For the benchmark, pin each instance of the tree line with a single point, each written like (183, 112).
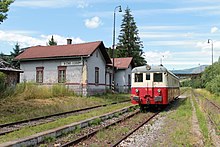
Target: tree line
(210, 79)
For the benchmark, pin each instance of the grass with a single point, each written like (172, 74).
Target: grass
(207, 94)
(180, 123)
(27, 131)
(210, 110)
(29, 101)
(202, 123)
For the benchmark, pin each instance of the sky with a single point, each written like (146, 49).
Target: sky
(174, 32)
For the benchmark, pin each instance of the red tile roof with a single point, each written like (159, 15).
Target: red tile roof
(122, 63)
(70, 50)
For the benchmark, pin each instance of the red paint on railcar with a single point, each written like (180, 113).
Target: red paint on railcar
(153, 96)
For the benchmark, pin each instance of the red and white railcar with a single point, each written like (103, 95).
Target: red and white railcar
(153, 85)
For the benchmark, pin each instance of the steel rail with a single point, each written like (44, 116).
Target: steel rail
(206, 111)
(53, 115)
(132, 131)
(216, 106)
(210, 101)
(84, 137)
(145, 122)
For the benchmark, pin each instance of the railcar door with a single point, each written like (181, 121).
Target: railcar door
(149, 85)
(158, 87)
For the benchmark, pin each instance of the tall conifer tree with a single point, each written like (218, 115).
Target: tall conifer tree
(129, 42)
(16, 50)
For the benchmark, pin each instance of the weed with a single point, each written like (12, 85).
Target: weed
(43, 145)
(116, 114)
(95, 122)
(202, 123)
(49, 139)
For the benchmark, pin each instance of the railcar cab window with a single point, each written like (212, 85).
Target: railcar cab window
(138, 77)
(158, 77)
(147, 76)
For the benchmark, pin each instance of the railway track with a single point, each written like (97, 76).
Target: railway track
(134, 130)
(208, 100)
(14, 126)
(196, 95)
(173, 104)
(87, 136)
(211, 102)
(90, 134)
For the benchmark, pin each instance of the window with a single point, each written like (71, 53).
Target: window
(39, 74)
(61, 74)
(158, 77)
(96, 75)
(138, 77)
(129, 80)
(147, 76)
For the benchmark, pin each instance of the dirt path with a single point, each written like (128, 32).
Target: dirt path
(195, 128)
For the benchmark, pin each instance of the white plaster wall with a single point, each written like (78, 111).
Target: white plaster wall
(73, 73)
(121, 76)
(99, 62)
(121, 79)
(108, 72)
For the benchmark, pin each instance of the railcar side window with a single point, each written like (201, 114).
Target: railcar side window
(138, 77)
(158, 77)
(147, 76)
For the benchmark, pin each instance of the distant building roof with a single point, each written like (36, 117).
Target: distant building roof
(122, 63)
(5, 66)
(61, 51)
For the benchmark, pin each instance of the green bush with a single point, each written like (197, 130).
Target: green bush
(214, 85)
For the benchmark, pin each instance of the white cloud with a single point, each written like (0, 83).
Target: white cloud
(93, 22)
(166, 27)
(25, 40)
(51, 3)
(82, 4)
(179, 60)
(172, 43)
(214, 29)
(207, 9)
(155, 57)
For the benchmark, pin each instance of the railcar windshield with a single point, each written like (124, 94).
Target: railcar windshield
(138, 77)
(147, 76)
(158, 77)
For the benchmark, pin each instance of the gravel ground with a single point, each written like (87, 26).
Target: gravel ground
(146, 135)
(152, 134)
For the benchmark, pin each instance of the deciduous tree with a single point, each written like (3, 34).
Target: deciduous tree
(4, 7)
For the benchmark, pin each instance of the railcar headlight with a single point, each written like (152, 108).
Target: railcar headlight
(136, 90)
(158, 90)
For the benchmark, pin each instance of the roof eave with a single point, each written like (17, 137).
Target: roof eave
(52, 58)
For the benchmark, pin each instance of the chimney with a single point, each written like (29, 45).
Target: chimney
(69, 41)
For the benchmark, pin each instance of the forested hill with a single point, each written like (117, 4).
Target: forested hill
(194, 70)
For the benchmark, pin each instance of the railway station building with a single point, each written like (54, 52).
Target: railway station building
(83, 68)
